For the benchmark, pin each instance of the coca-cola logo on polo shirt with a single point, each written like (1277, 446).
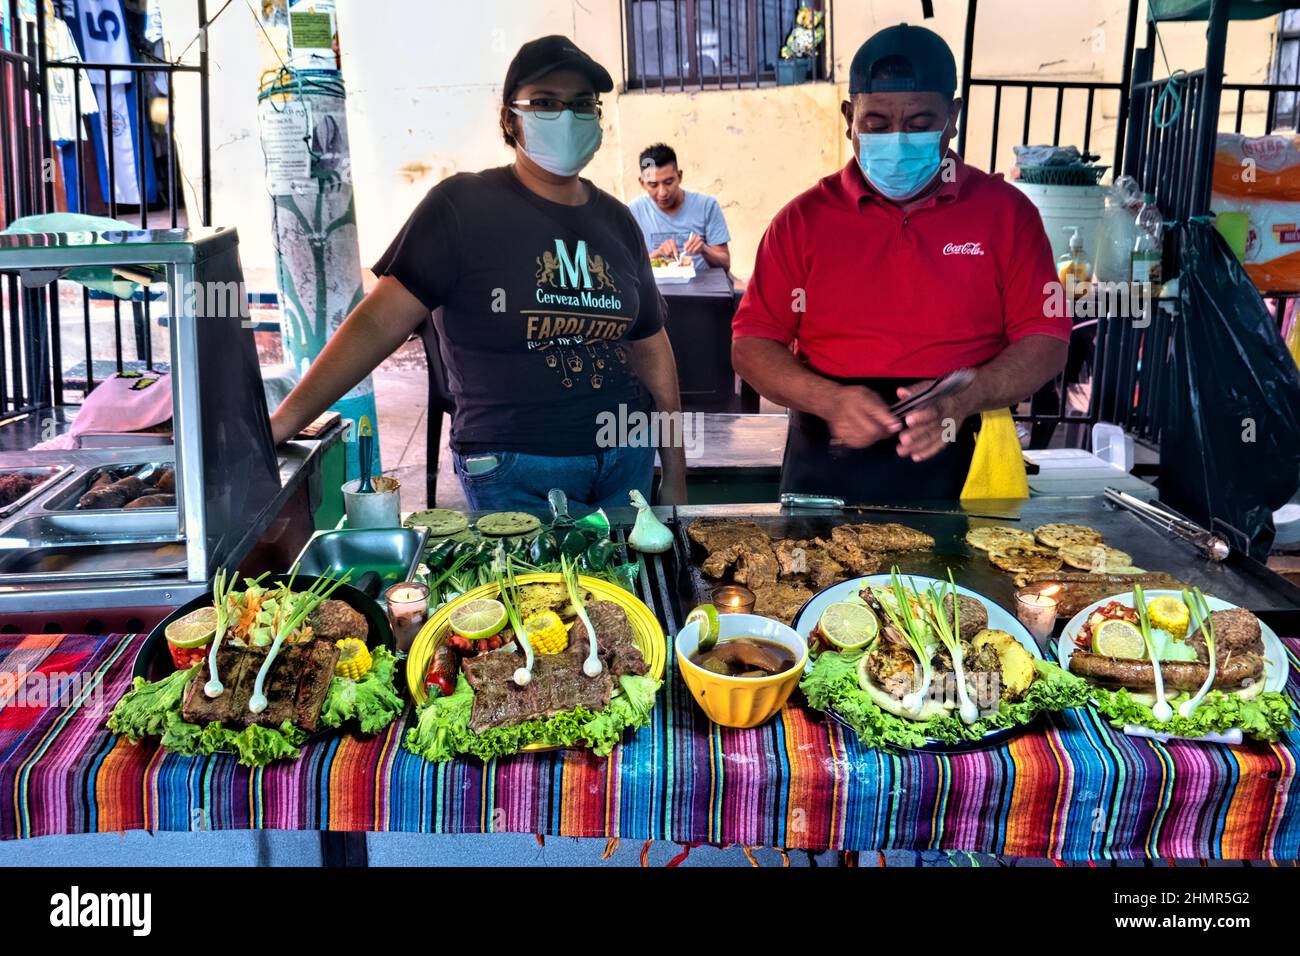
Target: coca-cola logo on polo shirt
(963, 249)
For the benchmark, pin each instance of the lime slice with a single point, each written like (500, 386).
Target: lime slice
(194, 629)
(707, 615)
(849, 626)
(478, 619)
(1119, 639)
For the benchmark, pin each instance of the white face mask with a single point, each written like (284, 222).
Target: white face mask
(562, 145)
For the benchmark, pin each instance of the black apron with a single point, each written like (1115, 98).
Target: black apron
(876, 474)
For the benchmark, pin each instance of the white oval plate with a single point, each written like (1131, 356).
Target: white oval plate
(1275, 663)
(1000, 619)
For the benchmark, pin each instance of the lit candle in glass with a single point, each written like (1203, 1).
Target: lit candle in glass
(733, 599)
(1036, 610)
(408, 609)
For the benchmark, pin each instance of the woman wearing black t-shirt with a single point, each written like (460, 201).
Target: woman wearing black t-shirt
(551, 325)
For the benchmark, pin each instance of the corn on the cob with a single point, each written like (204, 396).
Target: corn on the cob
(354, 658)
(1169, 614)
(546, 632)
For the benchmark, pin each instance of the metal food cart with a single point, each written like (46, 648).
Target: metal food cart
(231, 483)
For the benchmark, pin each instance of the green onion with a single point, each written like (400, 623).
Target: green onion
(1161, 710)
(950, 634)
(917, 634)
(1200, 610)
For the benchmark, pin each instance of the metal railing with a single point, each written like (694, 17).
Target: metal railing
(28, 347)
(681, 45)
(1057, 92)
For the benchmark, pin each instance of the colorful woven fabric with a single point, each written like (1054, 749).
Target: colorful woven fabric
(1069, 788)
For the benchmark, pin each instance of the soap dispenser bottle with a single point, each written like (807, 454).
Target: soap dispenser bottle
(1073, 268)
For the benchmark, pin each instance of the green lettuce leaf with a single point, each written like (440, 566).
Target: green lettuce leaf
(147, 709)
(442, 729)
(258, 746)
(373, 700)
(833, 685)
(1266, 717)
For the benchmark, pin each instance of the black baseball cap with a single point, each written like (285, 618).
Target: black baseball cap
(545, 55)
(933, 68)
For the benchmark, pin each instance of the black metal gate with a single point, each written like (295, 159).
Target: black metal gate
(37, 338)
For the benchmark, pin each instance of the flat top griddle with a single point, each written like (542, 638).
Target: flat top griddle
(1239, 580)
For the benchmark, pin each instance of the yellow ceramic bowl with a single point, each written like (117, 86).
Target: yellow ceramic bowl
(741, 701)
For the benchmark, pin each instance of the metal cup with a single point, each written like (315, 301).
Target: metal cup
(381, 508)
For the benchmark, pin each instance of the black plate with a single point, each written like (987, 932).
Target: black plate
(154, 662)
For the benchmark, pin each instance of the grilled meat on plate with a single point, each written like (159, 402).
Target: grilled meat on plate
(892, 668)
(1236, 632)
(334, 620)
(558, 685)
(973, 616)
(614, 643)
(295, 688)
(1177, 675)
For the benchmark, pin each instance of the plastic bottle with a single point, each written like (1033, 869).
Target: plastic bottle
(1073, 268)
(1114, 249)
(1148, 247)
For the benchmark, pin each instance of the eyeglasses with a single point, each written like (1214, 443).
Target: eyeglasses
(547, 108)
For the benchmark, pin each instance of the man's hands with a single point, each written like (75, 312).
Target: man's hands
(930, 428)
(859, 417)
(669, 249)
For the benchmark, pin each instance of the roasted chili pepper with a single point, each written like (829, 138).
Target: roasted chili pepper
(600, 554)
(544, 550)
(573, 544)
(441, 554)
(442, 671)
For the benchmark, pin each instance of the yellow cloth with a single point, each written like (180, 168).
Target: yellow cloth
(997, 469)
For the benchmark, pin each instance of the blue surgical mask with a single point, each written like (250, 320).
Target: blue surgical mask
(563, 145)
(899, 165)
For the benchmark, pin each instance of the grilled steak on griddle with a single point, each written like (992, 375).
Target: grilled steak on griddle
(725, 540)
(295, 687)
(889, 536)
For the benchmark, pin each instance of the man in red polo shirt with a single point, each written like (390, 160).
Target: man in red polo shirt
(900, 268)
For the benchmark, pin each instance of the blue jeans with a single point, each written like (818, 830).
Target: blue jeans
(515, 481)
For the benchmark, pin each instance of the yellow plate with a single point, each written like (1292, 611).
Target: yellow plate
(647, 633)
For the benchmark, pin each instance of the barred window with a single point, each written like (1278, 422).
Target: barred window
(717, 44)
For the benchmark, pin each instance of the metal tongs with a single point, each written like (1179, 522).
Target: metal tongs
(1211, 545)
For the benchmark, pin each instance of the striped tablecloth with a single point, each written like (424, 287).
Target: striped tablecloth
(1070, 789)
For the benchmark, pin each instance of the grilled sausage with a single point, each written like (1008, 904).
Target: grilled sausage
(1178, 675)
(113, 495)
(152, 501)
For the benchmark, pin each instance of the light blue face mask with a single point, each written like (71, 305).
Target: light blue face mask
(899, 165)
(563, 145)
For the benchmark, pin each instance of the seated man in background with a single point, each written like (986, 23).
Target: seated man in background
(676, 222)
